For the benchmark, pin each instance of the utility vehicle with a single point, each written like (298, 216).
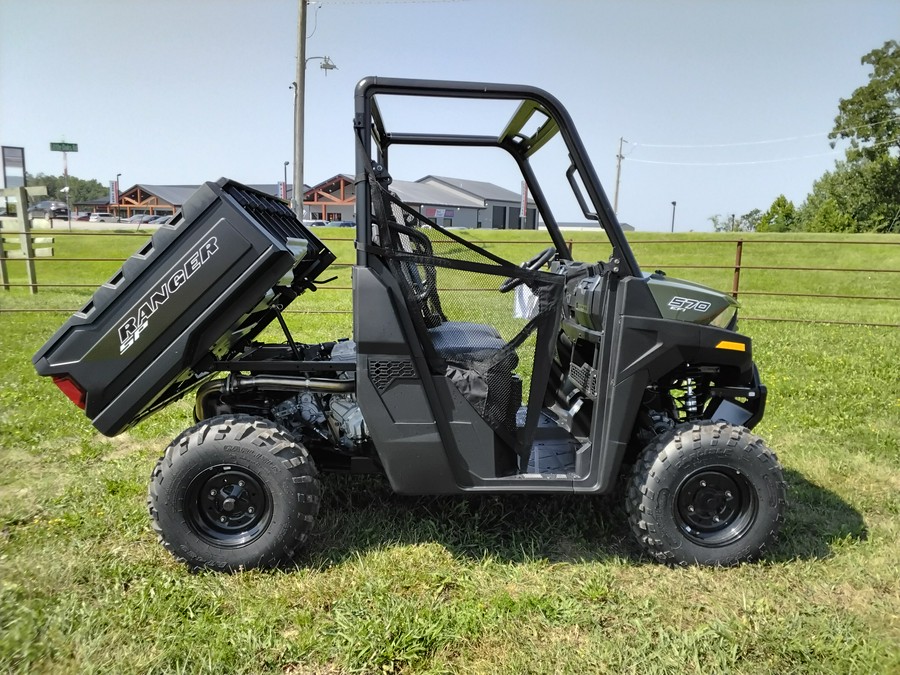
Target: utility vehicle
(466, 373)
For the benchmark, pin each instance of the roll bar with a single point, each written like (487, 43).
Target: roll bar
(371, 130)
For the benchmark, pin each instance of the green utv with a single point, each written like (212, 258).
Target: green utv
(466, 373)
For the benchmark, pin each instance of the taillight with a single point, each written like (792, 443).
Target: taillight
(71, 389)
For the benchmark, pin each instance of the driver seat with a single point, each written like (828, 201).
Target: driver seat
(476, 358)
(452, 340)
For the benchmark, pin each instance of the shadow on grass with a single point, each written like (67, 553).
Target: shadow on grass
(362, 513)
(817, 520)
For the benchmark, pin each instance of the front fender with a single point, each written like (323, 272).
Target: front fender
(645, 350)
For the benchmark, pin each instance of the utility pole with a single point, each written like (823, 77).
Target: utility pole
(299, 96)
(673, 216)
(619, 159)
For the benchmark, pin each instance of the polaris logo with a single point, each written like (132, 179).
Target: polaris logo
(131, 329)
(679, 304)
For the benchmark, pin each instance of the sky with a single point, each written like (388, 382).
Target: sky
(723, 105)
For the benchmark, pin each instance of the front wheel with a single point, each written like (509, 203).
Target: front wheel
(707, 494)
(233, 492)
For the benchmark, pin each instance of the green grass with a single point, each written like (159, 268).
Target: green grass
(487, 585)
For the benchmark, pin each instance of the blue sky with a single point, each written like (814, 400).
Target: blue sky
(177, 92)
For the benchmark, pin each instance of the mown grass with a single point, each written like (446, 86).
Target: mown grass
(493, 584)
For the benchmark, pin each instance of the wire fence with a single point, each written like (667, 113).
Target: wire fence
(29, 252)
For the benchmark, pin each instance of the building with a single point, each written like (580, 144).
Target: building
(493, 207)
(157, 200)
(333, 199)
(450, 202)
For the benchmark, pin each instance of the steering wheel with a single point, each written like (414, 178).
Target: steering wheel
(535, 263)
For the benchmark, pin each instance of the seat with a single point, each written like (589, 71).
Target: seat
(475, 356)
(451, 339)
(462, 339)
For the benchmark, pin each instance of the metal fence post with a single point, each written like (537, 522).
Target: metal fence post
(736, 281)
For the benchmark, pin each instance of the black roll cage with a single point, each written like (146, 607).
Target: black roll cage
(370, 127)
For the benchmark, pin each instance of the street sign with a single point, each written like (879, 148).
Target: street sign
(64, 147)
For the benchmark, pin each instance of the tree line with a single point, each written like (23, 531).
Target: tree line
(80, 189)
(862, 192)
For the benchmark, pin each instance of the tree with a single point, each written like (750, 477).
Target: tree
(870, 118)
(80, 190)
(781, 216)
(829, 217)
(745, 223)
(860, 196)
(862, 193)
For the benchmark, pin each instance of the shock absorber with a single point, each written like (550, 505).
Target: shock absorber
(690, 399)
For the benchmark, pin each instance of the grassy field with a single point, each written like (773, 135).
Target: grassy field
(487, 585)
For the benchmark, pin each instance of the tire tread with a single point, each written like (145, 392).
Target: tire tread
(673, 449)
(269, 437)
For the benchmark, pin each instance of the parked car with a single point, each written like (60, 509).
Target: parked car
(341, 223)
(49, 209)
(140, 218)
(315, 223)
(102, 217)
(159, 220)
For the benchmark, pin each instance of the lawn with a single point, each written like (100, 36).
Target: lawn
(485, 585)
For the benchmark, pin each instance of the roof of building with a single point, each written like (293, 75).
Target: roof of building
(173, 194)
(177, 195)
(433, 194)
(334, 179)
(475, 188)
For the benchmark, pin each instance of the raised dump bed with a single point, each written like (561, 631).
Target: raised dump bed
(198, 291)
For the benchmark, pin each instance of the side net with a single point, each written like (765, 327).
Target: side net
(484, 322)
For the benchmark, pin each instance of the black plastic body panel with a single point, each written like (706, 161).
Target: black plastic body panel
(428, 437)
(640, 347)
(197, 292)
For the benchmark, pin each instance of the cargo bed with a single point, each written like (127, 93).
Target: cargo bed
(197, 292)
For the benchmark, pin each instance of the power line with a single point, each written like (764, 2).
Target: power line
(769, 141)
(315, 20)
(751, 162)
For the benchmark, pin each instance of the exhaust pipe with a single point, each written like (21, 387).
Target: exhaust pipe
(236, 383)
(287, 383)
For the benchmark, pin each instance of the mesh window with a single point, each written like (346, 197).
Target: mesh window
(486, 341)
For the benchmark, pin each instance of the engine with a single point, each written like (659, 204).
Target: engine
(333, 417)
(319, 411)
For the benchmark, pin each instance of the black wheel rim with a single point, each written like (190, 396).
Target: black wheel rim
(228, 506)
(715, 506)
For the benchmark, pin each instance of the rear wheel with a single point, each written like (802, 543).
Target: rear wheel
(234, 492)
(708, 494)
